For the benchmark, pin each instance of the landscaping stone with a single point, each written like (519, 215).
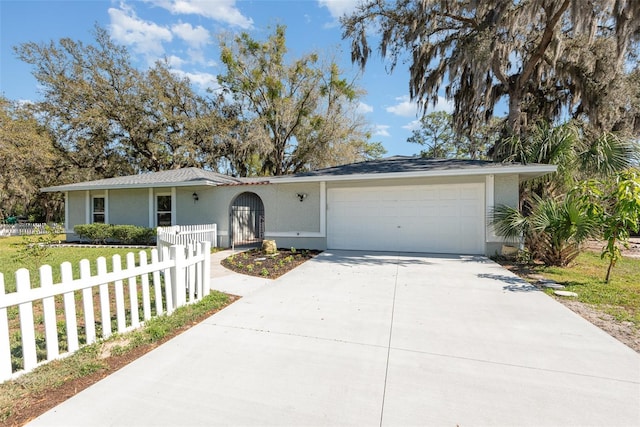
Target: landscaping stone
(565, 293)
(269, 246)
(550, 284)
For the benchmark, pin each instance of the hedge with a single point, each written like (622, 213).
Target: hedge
(127, 234)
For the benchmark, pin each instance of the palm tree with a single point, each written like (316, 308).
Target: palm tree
(553, 231)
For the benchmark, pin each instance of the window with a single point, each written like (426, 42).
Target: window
(163, 209)
(98, 212)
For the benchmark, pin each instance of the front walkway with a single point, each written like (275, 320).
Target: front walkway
(350, 338)
(230, 282)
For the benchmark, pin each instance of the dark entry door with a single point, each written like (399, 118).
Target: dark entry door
(247, 220)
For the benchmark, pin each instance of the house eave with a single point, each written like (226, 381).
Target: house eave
(524, 171)
(72, 187)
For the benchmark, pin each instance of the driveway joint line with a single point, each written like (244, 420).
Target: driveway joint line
(386, 368)
(295, 335)
(557, 371)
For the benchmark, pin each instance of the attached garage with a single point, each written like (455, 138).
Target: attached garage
(448, 218)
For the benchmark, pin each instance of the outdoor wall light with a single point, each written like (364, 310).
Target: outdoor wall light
(195, 197)
(301, 196)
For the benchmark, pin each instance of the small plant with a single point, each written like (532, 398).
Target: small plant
(258, 263)
(264, 272)
(293, 250)
(249, 267)
(35, 249)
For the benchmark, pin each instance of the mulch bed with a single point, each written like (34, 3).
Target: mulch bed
(256, 263)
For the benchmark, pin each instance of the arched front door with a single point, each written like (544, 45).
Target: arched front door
(247, 219)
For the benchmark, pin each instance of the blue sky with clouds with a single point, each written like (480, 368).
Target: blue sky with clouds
(186, 32)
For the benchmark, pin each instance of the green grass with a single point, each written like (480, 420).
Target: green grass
(19, 393)
(585, 276)
(10, 262)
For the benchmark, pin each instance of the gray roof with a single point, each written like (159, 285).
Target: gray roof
(390, 167)
(176, 177)
(401, 164)
(418, 166)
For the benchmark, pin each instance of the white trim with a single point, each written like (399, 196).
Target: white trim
(525, 170)
(87, 207)
(490, 234)
(323, 209)
(174, 204)
(106, 207)
(152, 221)
(294, 234)
(73, 187)
(66, 211)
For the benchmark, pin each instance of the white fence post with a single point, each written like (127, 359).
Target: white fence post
(5, 344)
(27, 327)
(144, 283)
(133, 291)
(206, 269)
(178, 288)
(49, 314)
(120, 314)
(69, 303)
(87, 304)
(157, 284)
(105, 309)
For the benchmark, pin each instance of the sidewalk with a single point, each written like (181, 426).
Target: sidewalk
(230, 282)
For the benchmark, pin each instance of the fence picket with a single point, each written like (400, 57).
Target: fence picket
(5, 344)
(157, 283)
(69, 303)
(144, 283)
(120, 313)
(185, 275)
(168, 282)
(87, 303)
(105, 309)
(206, 269)
(191, 274)
(49, 314)
(178, 282)
(133, 291)
(27, 326)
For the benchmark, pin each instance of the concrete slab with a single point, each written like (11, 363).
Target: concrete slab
(353, 338)
(229, 281)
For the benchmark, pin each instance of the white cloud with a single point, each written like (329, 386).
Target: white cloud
(219, 10)
(145, 37)
(404, 108)
(412, 125)
(337, 8)
(203, 80)
(364, 108)
(407, 108)
(381, 130)
(196, 37)
(175, 61)
(441, 105)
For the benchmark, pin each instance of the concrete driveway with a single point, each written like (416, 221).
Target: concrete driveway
(377, 339)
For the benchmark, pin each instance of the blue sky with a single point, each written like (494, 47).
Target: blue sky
(186, 32)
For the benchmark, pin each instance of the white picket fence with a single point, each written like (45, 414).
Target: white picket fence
(186, 235)
(27, 229)
(181, 278)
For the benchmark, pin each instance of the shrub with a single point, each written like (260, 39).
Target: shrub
(127, 234)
